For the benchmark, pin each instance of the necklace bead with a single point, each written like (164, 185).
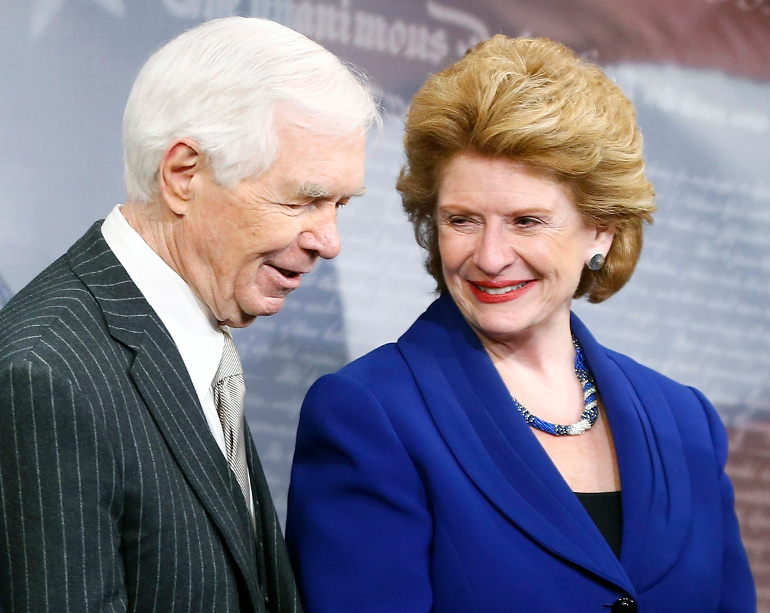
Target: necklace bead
(590, 399)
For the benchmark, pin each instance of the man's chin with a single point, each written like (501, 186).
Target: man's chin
(240, 322)
(268, 305)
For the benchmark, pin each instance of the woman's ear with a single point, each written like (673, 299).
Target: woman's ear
(599, 247)
(181, 162)
(603, 239)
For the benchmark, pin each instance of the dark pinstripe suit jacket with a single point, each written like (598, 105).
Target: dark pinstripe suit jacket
(114, 494)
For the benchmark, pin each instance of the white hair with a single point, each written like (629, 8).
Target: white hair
(219, 85)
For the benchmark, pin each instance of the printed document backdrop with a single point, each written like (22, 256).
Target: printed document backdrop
(697, 309)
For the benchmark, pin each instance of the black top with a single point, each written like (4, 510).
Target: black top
(606, 509)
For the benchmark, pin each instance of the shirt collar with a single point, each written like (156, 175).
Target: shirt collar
(190, 322)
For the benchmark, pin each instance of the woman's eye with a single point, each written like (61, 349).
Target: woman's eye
(459, 221)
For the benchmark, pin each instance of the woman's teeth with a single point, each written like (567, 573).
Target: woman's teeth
(496, 291)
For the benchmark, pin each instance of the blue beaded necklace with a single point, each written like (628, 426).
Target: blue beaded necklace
(590, 414)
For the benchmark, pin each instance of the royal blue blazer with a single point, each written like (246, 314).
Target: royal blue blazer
(418, 487)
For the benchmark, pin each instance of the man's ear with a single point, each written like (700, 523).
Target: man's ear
(180, 164)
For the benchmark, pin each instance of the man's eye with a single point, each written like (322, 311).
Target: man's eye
(526, 222)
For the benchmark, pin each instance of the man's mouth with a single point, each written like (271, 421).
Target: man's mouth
(287, 273)
(287, 278)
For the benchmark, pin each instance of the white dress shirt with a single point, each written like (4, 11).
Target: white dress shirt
(192, 325)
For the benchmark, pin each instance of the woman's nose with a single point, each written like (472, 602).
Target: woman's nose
(493, 253)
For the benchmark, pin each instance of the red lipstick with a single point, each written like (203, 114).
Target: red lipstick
(491, 292)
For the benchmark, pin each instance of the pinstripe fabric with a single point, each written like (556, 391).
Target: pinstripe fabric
(114, 495)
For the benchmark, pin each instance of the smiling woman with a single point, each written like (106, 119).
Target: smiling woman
(497, 457)
(513, 238)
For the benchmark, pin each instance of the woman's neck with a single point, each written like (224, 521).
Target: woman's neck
(544, 349)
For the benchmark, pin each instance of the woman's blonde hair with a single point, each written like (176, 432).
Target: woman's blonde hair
(535, 102)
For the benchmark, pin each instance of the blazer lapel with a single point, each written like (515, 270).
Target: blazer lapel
(476, 417)
(656, 489)
(165, 386)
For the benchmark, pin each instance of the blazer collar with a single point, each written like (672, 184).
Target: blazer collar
(475, 415)
(161, 378)
(657, 492)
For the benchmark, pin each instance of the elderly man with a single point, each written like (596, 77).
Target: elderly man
(128, 478)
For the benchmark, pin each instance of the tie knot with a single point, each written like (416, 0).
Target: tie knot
(230, 364)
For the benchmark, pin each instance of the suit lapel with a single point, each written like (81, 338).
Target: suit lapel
(262, 503)
(275, 572)
(165, 386)
(476, 417)
(657, 494)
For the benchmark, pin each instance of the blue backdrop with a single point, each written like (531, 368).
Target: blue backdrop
(698, 71)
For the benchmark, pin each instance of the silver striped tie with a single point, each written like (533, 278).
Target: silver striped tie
(229, 397)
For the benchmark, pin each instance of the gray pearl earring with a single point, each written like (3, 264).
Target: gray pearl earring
(596, 262)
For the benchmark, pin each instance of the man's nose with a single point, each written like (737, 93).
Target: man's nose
(321, 235)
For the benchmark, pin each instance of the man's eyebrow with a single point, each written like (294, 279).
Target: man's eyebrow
(318, 192)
